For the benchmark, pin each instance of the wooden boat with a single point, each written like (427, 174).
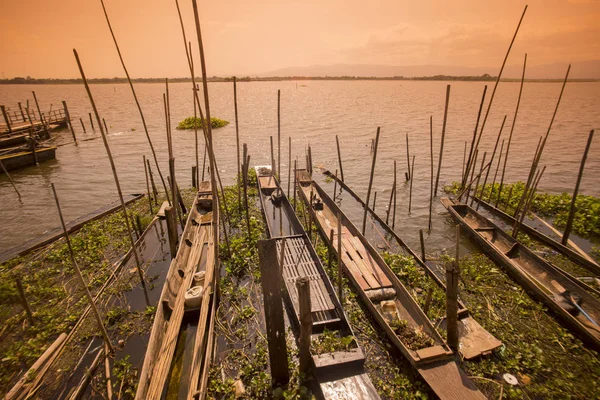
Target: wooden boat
(475, 341)
(23, 157)
(192, 274)
(337, 370)
(386, 298)
(566, 296)
(571, 254)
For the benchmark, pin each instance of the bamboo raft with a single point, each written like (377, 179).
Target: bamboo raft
(581, 259)
(388, 301)
(340, 373)
(192, 271)
(566, 296)
(475, 341)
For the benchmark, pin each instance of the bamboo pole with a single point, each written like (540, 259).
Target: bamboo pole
(136, 101)
(464, 160)
(204, 163)
(10, 179)
(374, 201)
(78, 271)
(171, 182)
(339, 257)
(422, 240)
(364, 224)
(310, 160)
(273, 166)
(487, 174)
(469, 166)
(532, 170)
(395, 196)
(330, 250)
(289, 165)
(148, 186)
(37, 105)
(24, 301)
(22, 113)
(305, 314)
(295, 183)
(337, 141)
(114, 170)
(245, 185)
(154, 190)
(565, 238)
(82, 125)
(237, 141)
(530, 199)
(437, 179)
(431, 176)
(335, 185)
(6, 119)
(412, 174)
(389, 208)
(496, 173)
(408, 176)
(67, 115)
(107, 374)
(279, 135)
(478, 177)
(91, 121)
(512, 128)
(466, 189)
(452, 276)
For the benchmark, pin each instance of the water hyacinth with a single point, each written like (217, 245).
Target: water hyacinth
(188, 123)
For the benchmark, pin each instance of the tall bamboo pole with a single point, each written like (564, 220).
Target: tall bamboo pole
(512, 128)
(289, 165)
(364, 224)
(114, 170)
(136, 102)
(408, 176)
(431, 179)
(496, 173)
(279, 135)
(87, 293)
(437, 179)
(10, 179)
(478, 177)
(412, 174)
(148, 186)
(395, 196)
(487, 174)
(337, 142)
(565, 238)
(237, 140)
(389, 208)
(42, 120)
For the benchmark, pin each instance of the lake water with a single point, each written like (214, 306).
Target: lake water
(311, 112)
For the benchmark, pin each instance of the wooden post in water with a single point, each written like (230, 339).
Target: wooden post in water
(237, 141)
(91, 121)
(408, 176)
(422, 244)
(114, 171)
(273, 171)
(10, 179)
(37, 105)
(6, 119)
(335, 185)
(24, 301)
(303, 287)
(467, 189)
(194, 174)
(412, 174)
(279, 136)
(464, 160)
(337, 141)
(68, 116)
(565, 238)
(245, 185)
(172, 229)
(271, 283)
(431, 178)
(339, 258)
(437, 179)
(395, 196)
(148, 186)
(289, 165)
(364, 225)
(511, 131)
(310, 160)
(487, 174)
(374, 201)
(154, 190)
(32, 147)
(528, 202)
(22, 113)
(452, 276)
(389, 208)
(295, 183)
(496, 173)
(82, 125)
(478, 178)
(78, 273)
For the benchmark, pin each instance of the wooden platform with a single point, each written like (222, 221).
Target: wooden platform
(25, 158)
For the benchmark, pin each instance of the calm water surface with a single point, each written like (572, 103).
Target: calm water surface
(311, 112)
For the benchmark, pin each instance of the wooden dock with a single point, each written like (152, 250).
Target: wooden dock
(23, 158)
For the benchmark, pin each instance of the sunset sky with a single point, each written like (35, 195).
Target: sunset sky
(259, 36)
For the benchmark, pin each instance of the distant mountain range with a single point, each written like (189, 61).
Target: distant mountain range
(579, 70)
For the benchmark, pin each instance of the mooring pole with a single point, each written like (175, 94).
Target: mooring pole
(371, 181)
(6, 119)
(68, 116)
(279, 135)
(565, 238)
(335, 185)
(237, 141)
(452, 276)
(271, 284)
(303, 287)
(487, 174)
(496, 173)
(91, 121)
(148, 186)
(37, 105)
(437, 179)
(337, 141)
(82, 125)
(431, 178)
(339, 258)
(154, 189)
(289, 165)
(408, 176)
(10, 179)
(422, 245)
(412, 172)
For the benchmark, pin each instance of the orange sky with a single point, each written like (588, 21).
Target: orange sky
(258, 36)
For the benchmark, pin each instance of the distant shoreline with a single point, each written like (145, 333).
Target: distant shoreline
(483, 78)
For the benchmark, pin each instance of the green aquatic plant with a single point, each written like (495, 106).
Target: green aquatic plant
(188, 123)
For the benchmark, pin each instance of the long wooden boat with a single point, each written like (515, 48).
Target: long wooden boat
(188, 293)
(571, 254)
(560, 292)
(475, 341)
(340, 373)
(21, 158)
(386, 298)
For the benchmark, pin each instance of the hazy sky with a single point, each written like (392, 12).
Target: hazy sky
(258, 36)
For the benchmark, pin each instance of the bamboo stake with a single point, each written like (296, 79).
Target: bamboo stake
(412, 174)
(67, 115)
(272, 157)
(10, 179)
(519, 222)
(469, 166)
(136, 101)
(82, 125)
(431, 178)
(408, 176)
(295, 183)
(395, 196)
(437, 179)
(37, 105)
(330, 248)
(487, 174)
(289, 165)
(389, 208)
(532, 169)
(337, 141)
(310, 160)
(374, 201)
(194, 91)
(422, 245)
(105, 127)
(6, 119)
(109, 393)
(466, 189)
(154, 190)
(339, 256)
(114, 171)
(245, 185)
(478, 177)
(237, 139)
(303, 287)
(496, 173)
(78, 271)
(512, 128)
(204, 163)
(364, 224)
(24, 301)
(171, 158)
(279, 135)
(452, 276)
(335, 185)
(91, 121)
(565, 238)
(148, 186)
(464, 160)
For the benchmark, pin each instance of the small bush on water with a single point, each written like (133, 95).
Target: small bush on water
(188, 123)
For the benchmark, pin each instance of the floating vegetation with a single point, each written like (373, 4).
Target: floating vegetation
(188, 123)
(413, 338)
(331, 341)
